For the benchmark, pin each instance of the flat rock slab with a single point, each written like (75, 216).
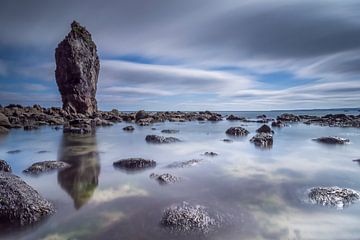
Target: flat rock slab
(46, 166)
(333, 196)
(161, 139)
(134, 163)
(4, 166)
(332, 140)
(188, 218)
(264, 140)
(237, 131)
(165, 178)
(20, 203)
(188, 163)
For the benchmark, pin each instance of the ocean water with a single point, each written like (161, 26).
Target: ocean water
(260, 193)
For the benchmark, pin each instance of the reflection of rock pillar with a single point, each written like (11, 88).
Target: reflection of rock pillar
(81, 178)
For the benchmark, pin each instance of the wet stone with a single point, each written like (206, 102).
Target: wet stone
(188, 218)
(170, 131)
(210, 154)
(134, 163)
(45, 166)
(332, 140)
(20, 203)
(165, 178)
(4, 166)
(161, 139)
(188, 163)
(237, 131)
(333, 196)
(129, 128)
(263, 140)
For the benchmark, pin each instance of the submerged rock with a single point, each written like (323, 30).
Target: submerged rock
(332, 140)
(134, 163)
(262, 140)
(170, 131)
(129, 128)
(211, 154)
(4, 166)
(237, 131)
(333, 196)
(46, 166)
(20, 203)
(227, 140)
(265, 129)
(14, 151)
(188, 218)
(77, 70)
(161, 139)
(183, 164)
(165, 178)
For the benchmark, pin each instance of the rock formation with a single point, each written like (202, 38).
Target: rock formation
(77, 70)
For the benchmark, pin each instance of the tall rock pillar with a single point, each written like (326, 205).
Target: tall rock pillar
(77, 71)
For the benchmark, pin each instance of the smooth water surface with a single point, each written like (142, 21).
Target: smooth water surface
(260, 192)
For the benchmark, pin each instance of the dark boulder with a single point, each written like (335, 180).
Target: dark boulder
(160, 139)
(45, 166)
(20, 203)
(77, 70)
(234, 118)
(333, 196)
(4, 166)
(134, 163)
(140, 115)
(210, 154)
(129, 128)
(332, 140)
(288, 117)
(264, 140)
(237, 131)
(277, 124)
(265, 129)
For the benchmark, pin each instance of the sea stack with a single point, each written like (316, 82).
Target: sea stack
(77, 71)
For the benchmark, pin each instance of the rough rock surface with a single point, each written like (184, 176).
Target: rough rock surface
(80, 126)
(333, 196)
(161, 139)
(288, 117)
(3, 130)
(45, 166)
(332, 140)
(134, 163)
(235, 118)
(4, 166)
(139, 115)
(278, 124)
(77, 70)
(165, 178)
(237, 131)
(4, 121)
(129, 128)
(265, 129)
(262, 140)
(20, 203)
(188, 218)
(183, 164)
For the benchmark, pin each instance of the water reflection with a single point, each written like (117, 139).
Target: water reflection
(81, 179)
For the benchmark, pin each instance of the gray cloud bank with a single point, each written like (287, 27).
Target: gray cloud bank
(316, 40)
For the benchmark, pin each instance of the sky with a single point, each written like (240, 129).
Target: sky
(190, 54)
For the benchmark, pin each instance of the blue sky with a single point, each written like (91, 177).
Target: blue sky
(190, 55)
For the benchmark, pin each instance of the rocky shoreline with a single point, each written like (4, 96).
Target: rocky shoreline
(32, 117)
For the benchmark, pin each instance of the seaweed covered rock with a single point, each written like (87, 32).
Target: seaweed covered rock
(77, 70)
(160, 139)
(45, 166)
(332, 140)
(237, 131)
(134, 163)
(188, 218)
(20, 203)
(333, 196)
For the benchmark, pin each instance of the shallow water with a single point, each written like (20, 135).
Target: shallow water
(259, 192)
